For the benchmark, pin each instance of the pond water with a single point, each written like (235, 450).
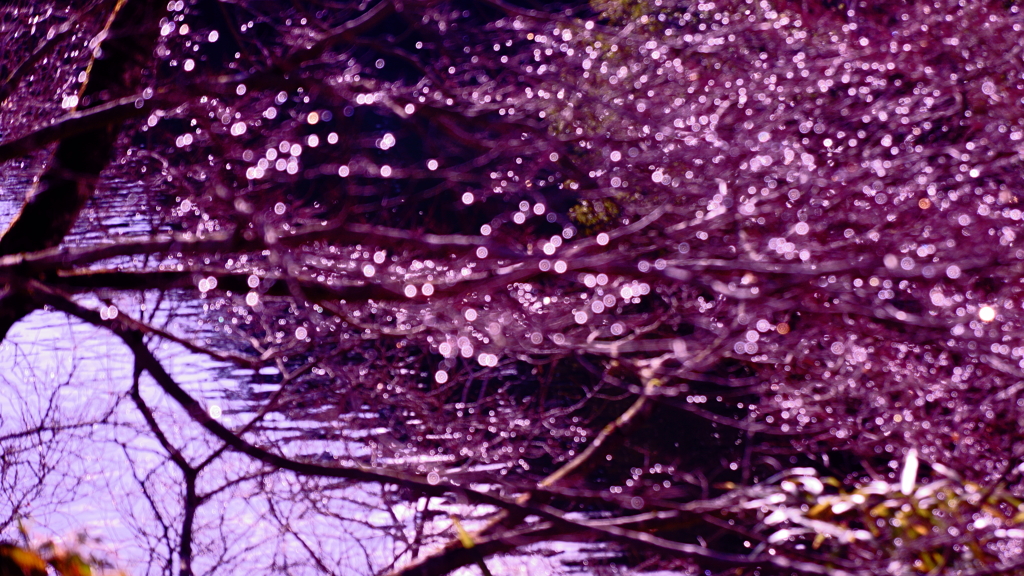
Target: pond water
(79, 459)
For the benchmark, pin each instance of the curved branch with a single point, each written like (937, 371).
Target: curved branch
(351, 471)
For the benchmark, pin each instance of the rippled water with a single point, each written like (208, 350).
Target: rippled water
(98, 470)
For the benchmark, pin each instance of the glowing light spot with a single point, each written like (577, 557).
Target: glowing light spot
(313, 118)
(440, 376)
(782, 328)
(240, 90)
(427, 289)
(369, 270)
(189, 65)
(215, 411)
(410, 291)
(468, 198)
(987, 314)
(108, 312)
(343, 171)
(603, 239)
(924, 203)
(238, 128)
(385, 171)
(301, 333)
(409, 108)
(252, 299)
(431, 164)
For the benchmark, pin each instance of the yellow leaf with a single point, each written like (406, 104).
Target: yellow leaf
(15, 561)
(464, 537)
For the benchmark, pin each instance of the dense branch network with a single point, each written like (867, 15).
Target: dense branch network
(519, 260)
